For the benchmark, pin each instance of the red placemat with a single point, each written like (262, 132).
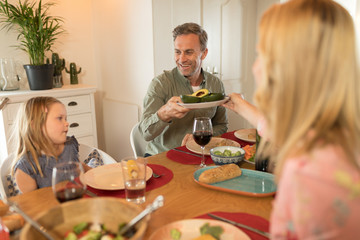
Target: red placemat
(247, 219)
(231, 136)
(151, 184)
(186, 158)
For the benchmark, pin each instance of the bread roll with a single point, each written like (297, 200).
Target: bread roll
(222, 173)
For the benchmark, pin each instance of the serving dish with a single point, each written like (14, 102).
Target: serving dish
(249, 183)
(204, 104)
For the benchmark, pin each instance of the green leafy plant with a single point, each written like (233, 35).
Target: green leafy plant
(37, 30)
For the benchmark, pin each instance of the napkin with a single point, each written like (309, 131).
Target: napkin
(186, 158)
(244, 218)
(151, 184)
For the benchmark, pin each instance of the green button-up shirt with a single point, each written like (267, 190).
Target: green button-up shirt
(163, 136)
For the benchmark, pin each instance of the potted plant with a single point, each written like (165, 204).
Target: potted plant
(37, 32)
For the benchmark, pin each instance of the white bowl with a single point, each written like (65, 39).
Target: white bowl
(222, 160)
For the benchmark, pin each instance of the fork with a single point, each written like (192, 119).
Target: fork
(157, 175)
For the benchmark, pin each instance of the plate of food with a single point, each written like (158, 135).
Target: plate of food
(250, 151)
(204, 104)
(193, 228)
(108, 177)
(214, 142)
(233, 179)
(248, 134)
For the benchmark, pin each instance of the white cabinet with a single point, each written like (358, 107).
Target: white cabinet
(79, 103)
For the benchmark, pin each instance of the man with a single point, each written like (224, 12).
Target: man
(164, 123)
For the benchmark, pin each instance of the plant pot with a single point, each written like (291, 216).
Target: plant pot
(40, 77)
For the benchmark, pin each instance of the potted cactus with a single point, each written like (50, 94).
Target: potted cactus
(37, 32)
(59, 66)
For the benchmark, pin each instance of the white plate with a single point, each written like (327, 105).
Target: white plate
(190, 229)
(214, 142)
(248, 135)
(204, 104)
(108, 177)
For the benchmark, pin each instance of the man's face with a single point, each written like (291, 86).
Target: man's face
(188, 56)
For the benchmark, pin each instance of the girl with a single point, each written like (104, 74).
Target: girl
(308, 92)
(41, 135)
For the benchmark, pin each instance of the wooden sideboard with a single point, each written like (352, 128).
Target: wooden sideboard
(80, 106)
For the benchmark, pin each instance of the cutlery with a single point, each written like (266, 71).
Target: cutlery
(128, 230)
(193, 154)
(262, 233)
(89, 193)
(157, 175)
(13, 206)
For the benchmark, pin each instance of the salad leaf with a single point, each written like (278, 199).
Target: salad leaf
(175, 234)
(214, 231)
(80, 227)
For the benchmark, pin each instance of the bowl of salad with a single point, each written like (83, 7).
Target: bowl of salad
(227, 154)
(88, 218)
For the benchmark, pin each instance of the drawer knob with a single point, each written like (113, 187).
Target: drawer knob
(73, 125)
(71, 104)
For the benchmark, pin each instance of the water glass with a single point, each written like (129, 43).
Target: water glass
(134, 175)
(66, 182)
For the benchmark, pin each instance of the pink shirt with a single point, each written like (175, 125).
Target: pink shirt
(318, 197)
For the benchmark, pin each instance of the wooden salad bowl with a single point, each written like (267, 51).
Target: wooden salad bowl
(109, 211)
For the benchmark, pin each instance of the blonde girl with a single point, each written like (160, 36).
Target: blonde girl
(41, 136)
(309, 93)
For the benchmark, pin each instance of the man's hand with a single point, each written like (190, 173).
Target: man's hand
(172, 110)
(187, 138)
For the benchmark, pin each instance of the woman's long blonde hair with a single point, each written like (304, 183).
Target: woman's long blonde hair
(29, 131)
(311, 80)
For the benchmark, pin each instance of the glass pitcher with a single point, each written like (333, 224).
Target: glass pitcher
(9, 79)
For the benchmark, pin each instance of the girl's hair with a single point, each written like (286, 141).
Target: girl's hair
(309, 93)
(29, 132)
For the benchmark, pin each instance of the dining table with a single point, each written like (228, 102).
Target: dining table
(184, 197)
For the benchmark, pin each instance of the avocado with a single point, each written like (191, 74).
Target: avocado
(213, 97)
(189, 99)
(201, 93)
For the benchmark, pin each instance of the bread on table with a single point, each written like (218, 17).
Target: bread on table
(13, 221)
(219, 174)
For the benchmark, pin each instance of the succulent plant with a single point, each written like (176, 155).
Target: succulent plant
(73, 73)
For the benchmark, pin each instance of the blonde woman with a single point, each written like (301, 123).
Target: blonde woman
(41, 134)
(308, 91)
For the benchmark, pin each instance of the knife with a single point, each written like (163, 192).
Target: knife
(91, 194)
(262, 233)
(193, 154)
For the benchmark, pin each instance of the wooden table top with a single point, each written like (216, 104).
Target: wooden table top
(184, 198)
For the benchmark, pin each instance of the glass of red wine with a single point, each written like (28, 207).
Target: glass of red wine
(66, 182)
(202, 133)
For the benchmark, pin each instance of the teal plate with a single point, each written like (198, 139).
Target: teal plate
(250, 183)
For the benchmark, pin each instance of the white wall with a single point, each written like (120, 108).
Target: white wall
(113, 44)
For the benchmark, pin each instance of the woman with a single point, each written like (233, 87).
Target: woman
(308, 91)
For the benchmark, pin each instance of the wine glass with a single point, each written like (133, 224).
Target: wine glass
(202, 133)
(66, 182)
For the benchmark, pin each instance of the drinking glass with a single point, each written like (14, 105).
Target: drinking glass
(9, 77)
(134, 175)
(202, 133)
(66, 182)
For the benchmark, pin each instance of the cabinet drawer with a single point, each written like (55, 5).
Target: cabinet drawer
(77, 104)
(80, 125)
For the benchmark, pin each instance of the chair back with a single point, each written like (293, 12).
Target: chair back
(5, 168)
(84, 151)
(138, 143)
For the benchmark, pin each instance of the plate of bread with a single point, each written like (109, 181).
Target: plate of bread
(248, 134)
(214, 142)
(231, 178)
